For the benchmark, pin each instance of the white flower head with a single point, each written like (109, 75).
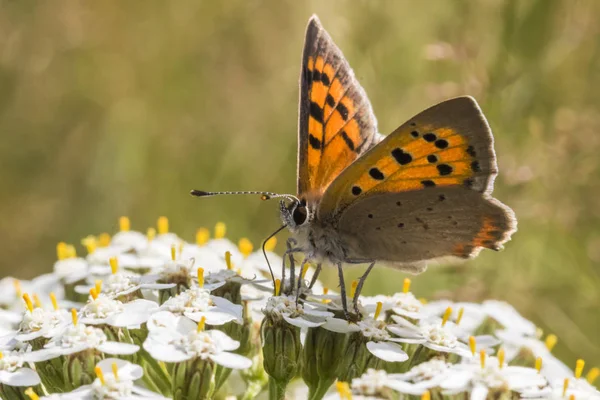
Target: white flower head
(197, 302)
(490, 373)
(106, 310)
(42, 322)
(431, 334)
(421, 377)
(379, 341)
(297, 314)
(14, 373)
(187, 341)
(79, 337)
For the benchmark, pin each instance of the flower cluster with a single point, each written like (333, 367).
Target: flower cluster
(151, 316)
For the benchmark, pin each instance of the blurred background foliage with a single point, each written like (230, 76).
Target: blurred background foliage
(119, 108)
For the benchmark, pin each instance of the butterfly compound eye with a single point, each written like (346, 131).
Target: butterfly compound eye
(299, 215)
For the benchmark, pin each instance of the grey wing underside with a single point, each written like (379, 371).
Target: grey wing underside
(404, 229)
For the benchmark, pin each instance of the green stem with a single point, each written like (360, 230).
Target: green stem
(318, 392)
(276, 390)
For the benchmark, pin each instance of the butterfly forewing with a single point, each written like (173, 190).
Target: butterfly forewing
(336, 120)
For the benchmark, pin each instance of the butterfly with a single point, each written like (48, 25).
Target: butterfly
(422, 192)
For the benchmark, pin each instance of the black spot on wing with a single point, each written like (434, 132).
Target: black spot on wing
(314, 142)
(348, 141)
(444, 169)
(330, 100)
(376, 174)
(441, 143)
(356, 190)
(343, 111)
(316, 111)
(429, 137)
(401, 156)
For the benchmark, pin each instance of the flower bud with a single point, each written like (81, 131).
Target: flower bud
(193, 379)
(281, 350)
(321, 356)
(357, 359)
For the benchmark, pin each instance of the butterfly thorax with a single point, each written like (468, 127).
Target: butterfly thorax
(319, 240)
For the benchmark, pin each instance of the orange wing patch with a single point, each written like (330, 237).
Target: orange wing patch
(336, 121)
(491, 235)
(446, 145)
(440, 157)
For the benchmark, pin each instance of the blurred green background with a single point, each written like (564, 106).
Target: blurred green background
(119, 108)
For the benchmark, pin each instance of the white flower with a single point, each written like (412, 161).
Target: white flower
(77, 338)
(513, 342)
(370, 383)
(13, 373)
(129, 240)
(197, 302)
(71, 269)
(302, 316)
(41, 322)
(184, 342)
(106, 310)
(115, 387)
(473, 314)
(431, 334)
(421, 377)
(508, 317)
(124, 283)
(403, 304)
(478, 378)
(380, 343)
(579, 388)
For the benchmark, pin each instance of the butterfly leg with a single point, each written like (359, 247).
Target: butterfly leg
(300, 279)
(289, 253)
(343, 292)
(315, 276)
(359, 287)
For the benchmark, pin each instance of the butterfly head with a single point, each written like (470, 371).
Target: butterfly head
(294, 214)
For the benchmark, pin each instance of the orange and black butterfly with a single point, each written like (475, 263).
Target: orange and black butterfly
(422, 192)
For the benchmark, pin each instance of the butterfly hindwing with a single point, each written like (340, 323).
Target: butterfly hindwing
(409, 227)
(424, 191)
(336, 120)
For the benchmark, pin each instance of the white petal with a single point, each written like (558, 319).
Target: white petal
(125, 369)
(403, 332)
(41, 355)
(231, 360)
(212, 317)
(135, 312)
(416, 389)
(479, 392)
(118, 348)
(165, 352)
(387, 351)
(21, 377)
(157, 286)
(340, 326)
(457, 380)
(406, 340)
(301, 322)
(223, 341)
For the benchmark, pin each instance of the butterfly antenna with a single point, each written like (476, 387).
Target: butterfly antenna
(264, 195)
(265, 252)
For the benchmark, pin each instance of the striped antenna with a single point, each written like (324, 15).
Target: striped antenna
(264, 195)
